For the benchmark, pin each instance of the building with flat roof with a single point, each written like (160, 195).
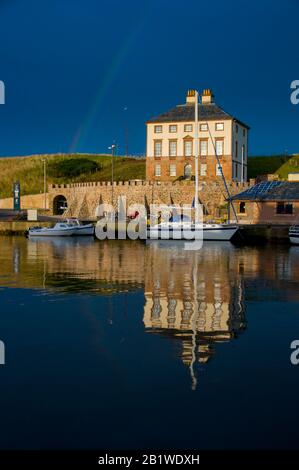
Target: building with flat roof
(170, 142)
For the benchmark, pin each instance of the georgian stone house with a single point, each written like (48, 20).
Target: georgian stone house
(170, 142)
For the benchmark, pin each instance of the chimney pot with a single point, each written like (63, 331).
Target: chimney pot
(207, 96)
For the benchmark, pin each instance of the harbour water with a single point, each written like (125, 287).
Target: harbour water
(125, 345)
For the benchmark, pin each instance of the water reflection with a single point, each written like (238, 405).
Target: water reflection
(195, 299)
(192, 297)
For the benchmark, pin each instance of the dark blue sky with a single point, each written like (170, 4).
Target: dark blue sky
(71, 67)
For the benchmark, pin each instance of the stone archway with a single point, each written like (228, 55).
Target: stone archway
(59, 204)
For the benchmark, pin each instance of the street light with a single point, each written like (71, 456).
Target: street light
(112, 148)
(45, 182)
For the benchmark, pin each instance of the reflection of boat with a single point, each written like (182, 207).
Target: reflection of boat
(294, 234)
(62, 242)
(187, 231)
(81, 229)
(61, 229)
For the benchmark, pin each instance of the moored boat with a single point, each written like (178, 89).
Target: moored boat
(294, 234)
(187, 231)
(61, 229)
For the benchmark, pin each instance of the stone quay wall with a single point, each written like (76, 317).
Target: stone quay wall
(82, 199)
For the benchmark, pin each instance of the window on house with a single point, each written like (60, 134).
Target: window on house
(203, 127)
(203, 148)
(188, 127)
(218, 170)
(158, 170)
(172, 170)
(203, 169)
(188, 148)
(219, 126)
(236, 149)
(158, 129)
(158, 148)
(172, 148)
(243, 152)
(173, 128)
(237, 128)
(244, 132)
(284, 208)
(242, 208)
(236, 170)
(219, 147)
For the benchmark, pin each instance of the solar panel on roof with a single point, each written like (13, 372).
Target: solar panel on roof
(261, 188)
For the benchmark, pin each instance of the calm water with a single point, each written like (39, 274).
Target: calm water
(123, 345)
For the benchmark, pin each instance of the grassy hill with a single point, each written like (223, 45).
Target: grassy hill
(73, 168)
(65, 168)
(279, 164)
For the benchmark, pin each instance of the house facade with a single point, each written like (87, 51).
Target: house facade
(170, 142)
(271, 202)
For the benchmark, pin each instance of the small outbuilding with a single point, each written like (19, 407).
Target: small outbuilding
(269, 202)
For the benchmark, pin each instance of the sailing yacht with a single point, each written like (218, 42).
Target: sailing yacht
(186, 230)
(183, 230)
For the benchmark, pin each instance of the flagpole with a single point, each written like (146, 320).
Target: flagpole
(196, 155)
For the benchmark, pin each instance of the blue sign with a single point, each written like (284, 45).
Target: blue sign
(17, 196)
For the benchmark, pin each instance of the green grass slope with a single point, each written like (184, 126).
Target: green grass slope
(65, 168)
(281, 165)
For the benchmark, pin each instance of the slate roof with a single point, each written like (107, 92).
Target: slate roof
(270, 191)
(185, 112)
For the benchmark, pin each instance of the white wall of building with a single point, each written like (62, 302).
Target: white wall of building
(181, 134)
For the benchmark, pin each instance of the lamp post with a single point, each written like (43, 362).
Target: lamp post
(112, 148)
(45, 182)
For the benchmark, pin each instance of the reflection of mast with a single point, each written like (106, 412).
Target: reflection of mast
(193, 325)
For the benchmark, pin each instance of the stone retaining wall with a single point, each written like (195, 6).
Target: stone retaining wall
(30, 201)
(83, 198)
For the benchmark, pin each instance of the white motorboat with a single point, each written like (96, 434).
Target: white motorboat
(294, 234)
(61, 229)
(187, 231)
(81, 229)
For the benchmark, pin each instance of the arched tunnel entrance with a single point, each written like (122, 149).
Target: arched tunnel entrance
(59, 205)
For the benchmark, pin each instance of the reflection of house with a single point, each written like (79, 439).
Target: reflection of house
(275, 202)
(170, 142)
(190, 298)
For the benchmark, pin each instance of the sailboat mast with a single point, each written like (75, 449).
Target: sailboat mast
(196, 155)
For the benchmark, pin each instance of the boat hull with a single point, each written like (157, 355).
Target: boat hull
(84, 230)
(50, 233)
(209, 233)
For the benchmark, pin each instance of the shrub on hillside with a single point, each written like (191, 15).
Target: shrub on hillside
(265, 165)
(70, 168)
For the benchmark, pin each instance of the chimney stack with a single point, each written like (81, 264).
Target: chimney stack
(190, 98)
(207, 97)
